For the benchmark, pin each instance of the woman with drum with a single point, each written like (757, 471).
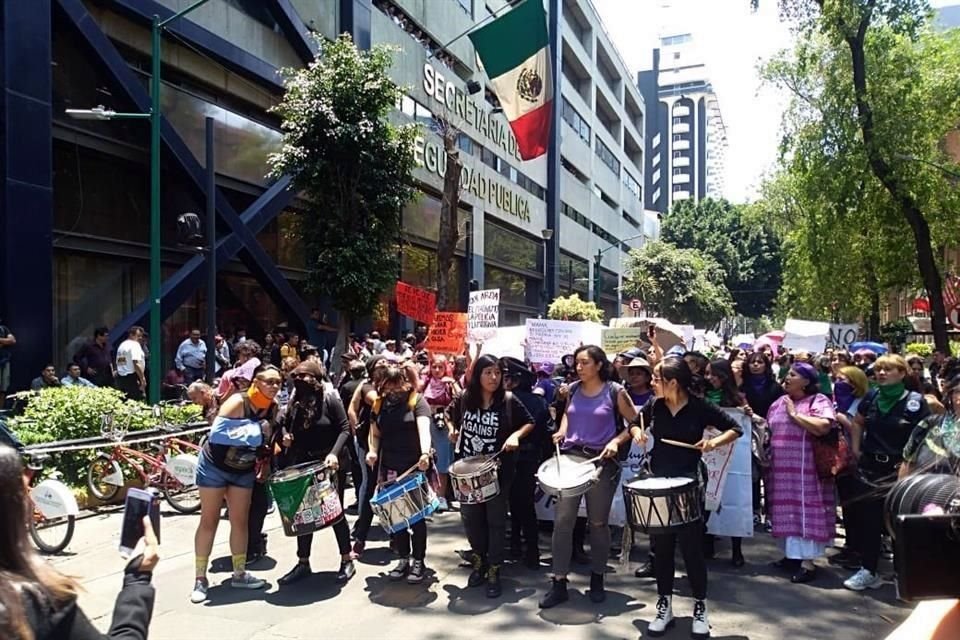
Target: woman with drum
(591, 428)
(400, 440)
(679, 416)
(315, 429)
(438, 389)
(485, 421)
(226, 468)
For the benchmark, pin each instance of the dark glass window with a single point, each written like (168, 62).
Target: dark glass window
(511, 248)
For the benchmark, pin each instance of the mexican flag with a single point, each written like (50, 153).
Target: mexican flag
(515, 52)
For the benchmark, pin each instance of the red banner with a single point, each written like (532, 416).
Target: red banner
(448, 333)
(415, 303)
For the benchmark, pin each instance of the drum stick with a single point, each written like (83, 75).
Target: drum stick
(557, 445)
(677, 443)
(592, 460)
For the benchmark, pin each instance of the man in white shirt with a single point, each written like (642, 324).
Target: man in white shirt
(131, 365)
(73, 377)
(191, 358)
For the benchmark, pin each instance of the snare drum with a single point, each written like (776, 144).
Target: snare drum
(475, 479)
(572, 477)
(306, 497)
(662, 505)
(401, 504)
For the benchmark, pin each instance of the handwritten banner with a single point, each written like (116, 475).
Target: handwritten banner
(483, 314)
(549, 340)
(614, 341)
(448, 333)
(415, 303)
(735, 515)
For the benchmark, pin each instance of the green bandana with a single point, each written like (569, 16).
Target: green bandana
(887, 396)
(714, 396)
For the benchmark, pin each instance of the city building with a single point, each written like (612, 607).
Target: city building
(75, 216)
(687, 137)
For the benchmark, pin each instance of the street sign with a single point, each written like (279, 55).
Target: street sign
(635, 305)
(954, 316)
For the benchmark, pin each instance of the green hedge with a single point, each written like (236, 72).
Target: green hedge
(67, 413)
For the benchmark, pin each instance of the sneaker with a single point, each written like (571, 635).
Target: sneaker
(253, 558)
(479, 574)
(664, 618)
(556, 594)
(347, 571)
(863, 579)
(300, 571)
(443, 506)
(416, 572)
(700, 628)
(199, 593)
(357, 551)
(597, 594)
(400, 569)
(645, 570)
(247, 580)
(493, 582)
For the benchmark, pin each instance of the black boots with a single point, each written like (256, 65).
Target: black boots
(556, 594)
(597, 594)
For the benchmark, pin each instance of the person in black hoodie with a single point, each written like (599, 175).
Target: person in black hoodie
(314, 428)
(39, 603)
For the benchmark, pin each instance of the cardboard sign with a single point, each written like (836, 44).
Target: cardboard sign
(549, 340)
(805, 335)
(735, 515)
(448, 333)
(507, 342)
(841, 336)
(718, 465)
(614, 341)
(416, 303)
(483, 314)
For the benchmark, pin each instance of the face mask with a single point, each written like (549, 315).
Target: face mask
(258, 399)
(304, 388)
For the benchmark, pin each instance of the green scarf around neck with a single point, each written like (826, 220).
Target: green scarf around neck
(714, 396)
(887, 396)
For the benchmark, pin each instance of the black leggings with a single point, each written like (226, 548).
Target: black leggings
(341, 529)
(258, 513)
(486, 527)
(402, 538)
(864, 515)
(523, 512)
(690, 538)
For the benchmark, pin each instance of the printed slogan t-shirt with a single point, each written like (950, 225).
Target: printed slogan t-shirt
(484, 431)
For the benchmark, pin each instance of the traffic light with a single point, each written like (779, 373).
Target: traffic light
(596, 280)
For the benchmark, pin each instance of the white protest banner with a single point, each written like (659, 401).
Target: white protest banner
(506, 342)
(841, 336)
(735, 515)
(718, 465)
(805, 335)
(549, 340)
(483, 314)
(614, 341)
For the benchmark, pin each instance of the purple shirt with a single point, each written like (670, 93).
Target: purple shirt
(591, 421)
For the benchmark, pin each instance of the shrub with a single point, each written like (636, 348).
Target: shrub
(920, 348)
(68, 413)
(573, 308)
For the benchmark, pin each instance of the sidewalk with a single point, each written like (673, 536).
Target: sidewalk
(751, 603)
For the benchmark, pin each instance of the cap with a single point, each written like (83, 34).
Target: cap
(632, 353)
(640, 363)
(546, 368)
(513, 366)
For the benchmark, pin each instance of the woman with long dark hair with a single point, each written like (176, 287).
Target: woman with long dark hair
(485, 420)
(39, 603)
(592, 426)
(678, 414)
(760, 386)
(314, 428)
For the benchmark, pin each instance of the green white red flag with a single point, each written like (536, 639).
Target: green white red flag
(515, 53)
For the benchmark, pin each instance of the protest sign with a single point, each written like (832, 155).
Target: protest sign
(805, 335)
(614, 341)
(549, 340)
(735, 515)
(507, 342)
(841, 336)
(415, 303)
(448, 333)
(483, 313)
(718, 465)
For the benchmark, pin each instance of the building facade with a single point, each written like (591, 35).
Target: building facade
(76, 192)
(687, 139)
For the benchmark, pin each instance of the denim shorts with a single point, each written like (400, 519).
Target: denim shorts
(211, 477)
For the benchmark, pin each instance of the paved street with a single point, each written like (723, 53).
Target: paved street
(752, 603)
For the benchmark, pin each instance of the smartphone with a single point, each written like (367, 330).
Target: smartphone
(139, 503)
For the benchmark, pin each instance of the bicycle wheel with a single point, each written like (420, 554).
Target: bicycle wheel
(183, 498)
(51, 535)
(97, 473)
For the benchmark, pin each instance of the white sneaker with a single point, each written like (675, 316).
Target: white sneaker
(701, 626)
(863, 579)
(199, 593)
(247, 581)
(399, 570)
(664, 619)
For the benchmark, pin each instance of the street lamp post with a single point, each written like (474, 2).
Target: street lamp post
(596, 272)
(546, 234)
(102, 113)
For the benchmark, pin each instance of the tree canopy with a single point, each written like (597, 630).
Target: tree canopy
(353, 168)
(746, 248)
(682, 285)
(573, 308)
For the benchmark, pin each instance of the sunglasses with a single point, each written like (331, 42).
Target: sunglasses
(270, 382)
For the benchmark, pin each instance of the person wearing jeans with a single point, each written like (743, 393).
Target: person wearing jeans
(592, 425)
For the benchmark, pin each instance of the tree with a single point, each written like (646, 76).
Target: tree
(449, 233)
(682, 285)
(354, 169)
(902, 104)
(573, 308)
(746, 247)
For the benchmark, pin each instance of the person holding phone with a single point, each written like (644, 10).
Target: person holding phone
(227, 469)
(40, 603)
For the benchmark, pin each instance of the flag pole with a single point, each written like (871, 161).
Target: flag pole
(552, 257)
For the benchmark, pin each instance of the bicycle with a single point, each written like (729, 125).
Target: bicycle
(54, 508)
(171, 469)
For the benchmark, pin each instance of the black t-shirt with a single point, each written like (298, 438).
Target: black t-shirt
(347, 390)
(364, 414)
(399, 437)
(319, 427)
(687, 426)
(484, 431)
(888, 434)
